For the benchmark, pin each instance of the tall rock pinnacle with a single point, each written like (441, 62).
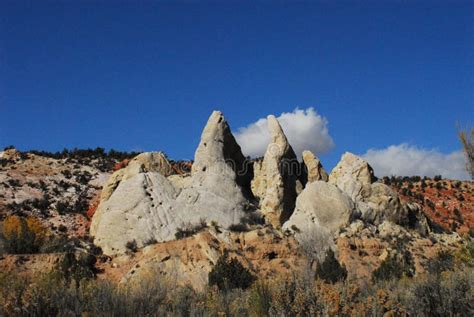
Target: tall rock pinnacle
(275, 179)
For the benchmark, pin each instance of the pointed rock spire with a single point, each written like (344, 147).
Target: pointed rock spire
(314, 168)
(218, 149)
(275, 183)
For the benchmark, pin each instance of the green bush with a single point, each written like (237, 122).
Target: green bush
(444, 261)
(394, 267)
(230, 274)
(330, 270)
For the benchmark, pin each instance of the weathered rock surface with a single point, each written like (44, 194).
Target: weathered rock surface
(353, 175)
(268, 254)
(144, 162)
(376, 201)
(148, 162)
(321, 208)
(275, 181)
(146, 206)
(382, 204)
(314, 168)
(139, 209)
(219, 153)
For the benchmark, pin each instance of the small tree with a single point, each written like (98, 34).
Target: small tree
(229, 274)
(23, 235)
(394, 267)
(467, 141)
(330, 270)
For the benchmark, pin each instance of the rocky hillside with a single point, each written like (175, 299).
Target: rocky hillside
(449, 204)
(276, 215)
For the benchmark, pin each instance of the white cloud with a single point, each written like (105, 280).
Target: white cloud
(305, 130)
(409, 160)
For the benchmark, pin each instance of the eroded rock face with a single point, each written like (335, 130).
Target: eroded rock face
(219, 153)
(140, 209)
(315, 170)
(353, 175)
(148, 162)
(376, 201)
(144, 162)
(268, 254)
(382, 204)
(321, 208)
(275, 183)
(146, 206)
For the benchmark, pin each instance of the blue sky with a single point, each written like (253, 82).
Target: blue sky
(146, 75)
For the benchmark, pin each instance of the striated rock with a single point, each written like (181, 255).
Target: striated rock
(275, 181)
(315, 170)
(180, 182)
(353, 175)
(321, 208)
(139, 209)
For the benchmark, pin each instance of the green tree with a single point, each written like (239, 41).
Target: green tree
(229, 274)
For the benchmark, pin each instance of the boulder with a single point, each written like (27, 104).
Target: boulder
(353, 175)
(321, 207)
(376, 201)
(275, 184)
(140, 209)
(382, 204)
(314, 168)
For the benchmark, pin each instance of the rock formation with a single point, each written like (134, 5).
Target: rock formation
(144, 162)
(376, 201)
(353, 176)
(275, 179)
(321, 208)
(140, 210)
(314, 168)
(143, 205)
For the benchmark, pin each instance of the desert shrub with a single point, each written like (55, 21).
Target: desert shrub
(330, 270)
(185, 300)
(260, 299)
(14, 182)
(229, 274)
(449, 294)
(443, 261)
(189, 230)
(132, 246)
(238, 227)
(296, 297)
(77, 267)
(58, 244)
(252, 219)
(394, 267)
(23, 235)
(464, 256)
